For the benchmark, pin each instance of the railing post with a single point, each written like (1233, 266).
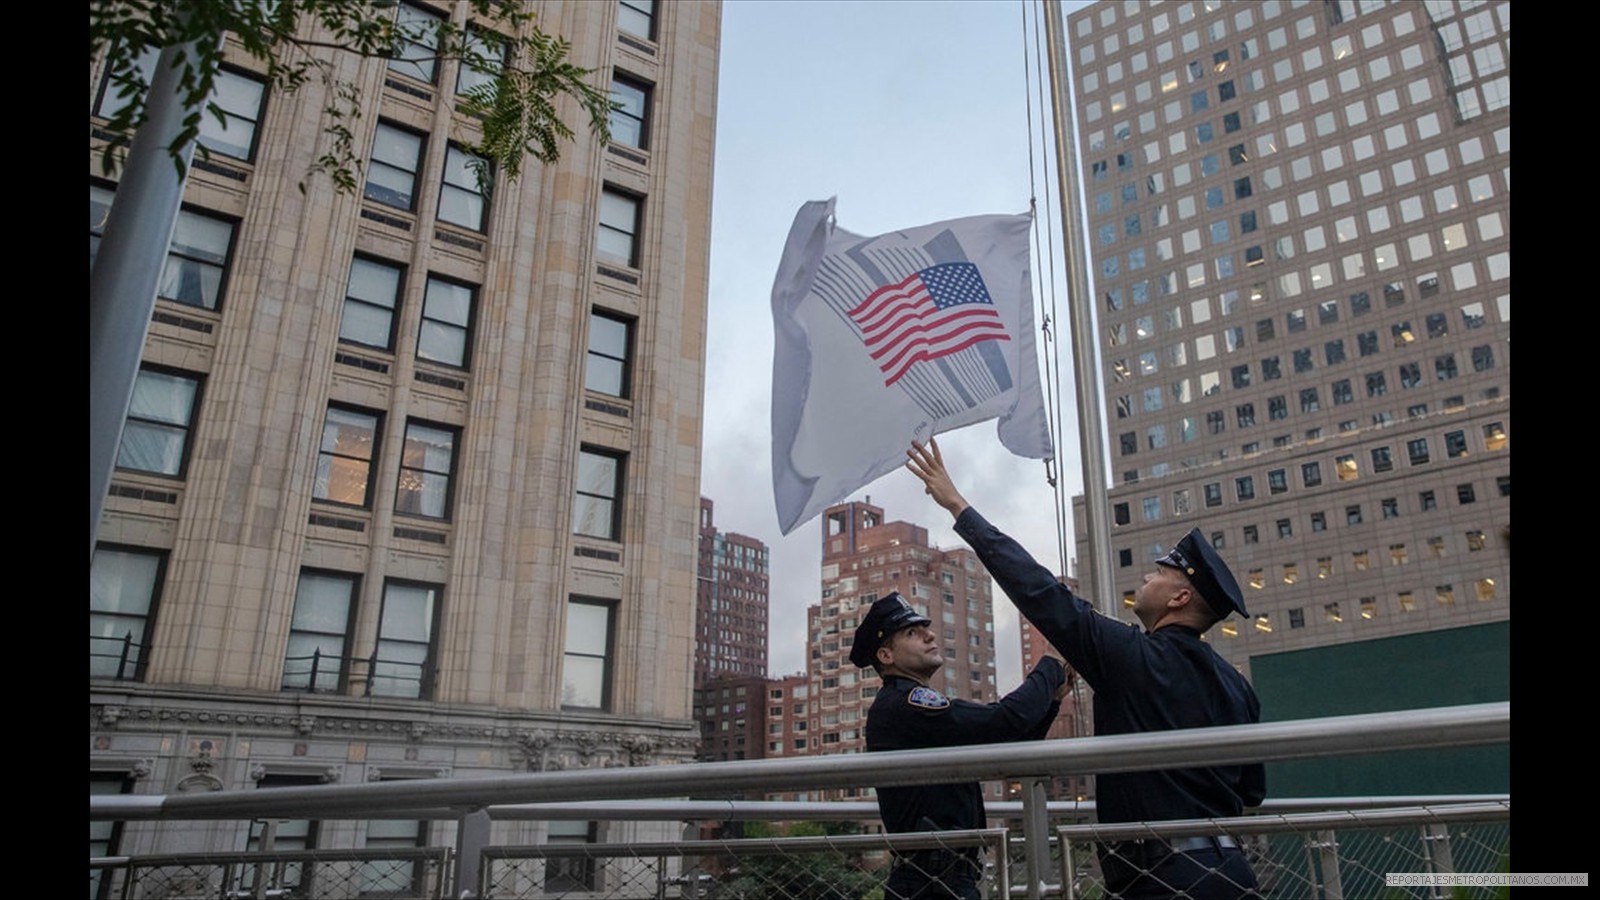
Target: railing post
(316, 658)
(472, 835)
(1069, 871)
(1327, 847)
(1436, 852)
(122, 658)
(1035, 834)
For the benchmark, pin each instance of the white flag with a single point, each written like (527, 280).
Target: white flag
(882, 340)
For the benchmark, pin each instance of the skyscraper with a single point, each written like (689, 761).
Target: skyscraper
(864, 558)
(1299, 226)
(401, 492)
(731, 603)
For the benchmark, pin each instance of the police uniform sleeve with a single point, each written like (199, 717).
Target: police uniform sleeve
(1094, 644)
(1020, 715)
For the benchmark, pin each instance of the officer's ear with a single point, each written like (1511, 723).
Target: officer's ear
(885, 656)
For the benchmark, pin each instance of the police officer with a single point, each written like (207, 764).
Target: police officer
(1159, 678)
(909, 714)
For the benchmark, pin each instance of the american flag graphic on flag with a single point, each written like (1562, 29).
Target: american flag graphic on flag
(879, 341)
(938, 311)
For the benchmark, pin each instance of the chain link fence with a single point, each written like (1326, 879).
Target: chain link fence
(826, 867)
(1313, 855)
(419, 874)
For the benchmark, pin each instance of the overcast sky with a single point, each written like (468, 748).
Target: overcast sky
(909, 113)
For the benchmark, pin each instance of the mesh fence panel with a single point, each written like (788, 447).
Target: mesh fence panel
(300, 875)
(855, 867)
(1315, 862)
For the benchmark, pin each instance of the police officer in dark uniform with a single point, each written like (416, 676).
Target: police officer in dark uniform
(907, 714)
(1159, 678)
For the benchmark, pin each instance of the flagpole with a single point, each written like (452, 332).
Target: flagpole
(1085, 366)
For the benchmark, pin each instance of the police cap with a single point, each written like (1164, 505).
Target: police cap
(1194, 557)
(888, 615)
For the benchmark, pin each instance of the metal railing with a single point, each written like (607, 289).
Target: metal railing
(1031, 866)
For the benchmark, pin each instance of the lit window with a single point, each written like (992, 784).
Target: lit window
(1398, 555)
(1369, 607)
(124, 584)
(446, 323)
(1346, 467)
(1331, 612)
(155, 436)
(463, 195)
(426, 464)
(344, 461)
(597, 507)
(1291, 573)
(392, 172)
(1494, 436)
(1484, 588)
(315, 658)
(1455, 444)
(1445, 594)
(402, 662)
(1408, 601)
(1258, 578)
(586, 668)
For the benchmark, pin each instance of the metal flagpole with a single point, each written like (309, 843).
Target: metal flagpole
(1091, 427)
(127, 270)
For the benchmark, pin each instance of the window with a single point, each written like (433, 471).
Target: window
(294, 879)
(197, 260)
(1252, 534)
(392, 173)
(637, 17)
(394, 877)
(344, 462)
(1216, 422)
(426, 463)
(1455, 444)
(630, 108)
(1494, 436)
(1246, 414)
(1352, 514)
(155, 436)
(403, 661)
(323, 605)
(1285, 528)
(1128, 443)
(586, 666)
(446, 323)
(1319, 521)
(1245, 487)
(1377, 384)
(418, 54)
(610, 347)
(1345, 466)
(124, 584)
(1271, 369)
(1391, 507)
(463, 195)
(597, 510)
(485, 56)
(1444, 367)
(1241, 376)
(1277, 407)
(1343, 392)
(1302, 360)
(1466, 493)
(1213, 493)
(1308, 400)
(1410, 375)
(1311, 474)
(1427, 500)
(105, 838)
(1121, 514)
(1382, 459)
(369, 303)
(618, 240)
(239, 101)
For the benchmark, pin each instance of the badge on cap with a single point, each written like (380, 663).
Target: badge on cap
(928, 698)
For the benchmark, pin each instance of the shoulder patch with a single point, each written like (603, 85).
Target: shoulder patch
(927, 698)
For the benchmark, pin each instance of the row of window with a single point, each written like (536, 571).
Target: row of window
(1367, 608)
(125, 584)
(1346, 467)
(161, 419)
